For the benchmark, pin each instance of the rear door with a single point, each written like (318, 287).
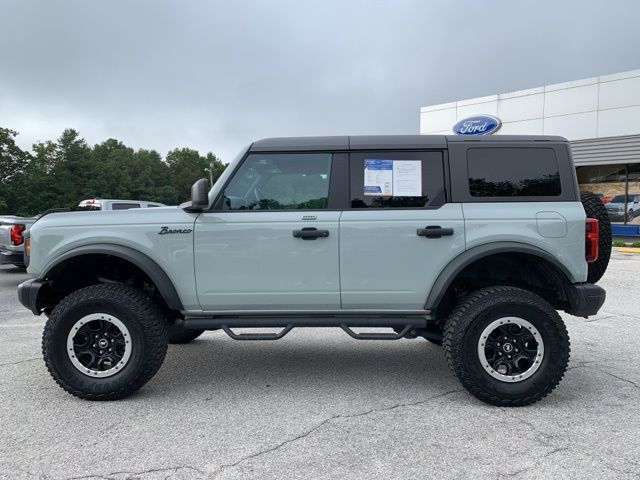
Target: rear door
(273, 243)
(399, 231)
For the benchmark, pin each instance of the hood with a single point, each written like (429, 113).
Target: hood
(136, 216)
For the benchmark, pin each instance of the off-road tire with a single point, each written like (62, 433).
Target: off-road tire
(179, 334)
(594, 208)
(142, 318)
(470, 317)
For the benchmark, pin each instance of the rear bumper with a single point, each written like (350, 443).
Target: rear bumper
(28, 294)
(585, 299)
(11, 256)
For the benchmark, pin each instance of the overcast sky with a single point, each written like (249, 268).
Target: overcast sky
(215, 75)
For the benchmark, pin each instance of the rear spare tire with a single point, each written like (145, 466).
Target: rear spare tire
(594, 208)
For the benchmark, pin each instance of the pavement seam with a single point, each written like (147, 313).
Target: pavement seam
(224, 467)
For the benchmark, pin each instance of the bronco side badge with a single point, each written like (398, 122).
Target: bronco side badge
(168, 231)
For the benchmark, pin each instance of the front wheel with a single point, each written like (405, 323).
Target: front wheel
(104, 342)
(507, 346)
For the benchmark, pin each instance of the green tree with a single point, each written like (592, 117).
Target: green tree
(13, 161)
(187, 165)
(61, 173)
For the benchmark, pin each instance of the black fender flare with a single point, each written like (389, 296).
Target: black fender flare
(157, 275)
(458, 264)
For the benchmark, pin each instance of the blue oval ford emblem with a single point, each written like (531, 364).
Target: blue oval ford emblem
(478, 125)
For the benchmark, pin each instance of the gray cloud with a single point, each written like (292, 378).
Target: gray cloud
(216, 75)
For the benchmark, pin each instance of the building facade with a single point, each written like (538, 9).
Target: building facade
(599, 115)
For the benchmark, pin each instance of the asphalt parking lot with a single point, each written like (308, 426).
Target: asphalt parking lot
(318, 404)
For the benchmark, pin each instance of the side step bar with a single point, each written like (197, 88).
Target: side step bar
(403, 326)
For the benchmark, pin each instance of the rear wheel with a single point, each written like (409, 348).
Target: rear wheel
(594, 208)
(507, 346)
(104, 342)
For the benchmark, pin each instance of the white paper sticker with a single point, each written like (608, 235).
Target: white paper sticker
(407, 178)
(378, 177)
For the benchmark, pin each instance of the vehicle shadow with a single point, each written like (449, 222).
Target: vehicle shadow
(329, 362)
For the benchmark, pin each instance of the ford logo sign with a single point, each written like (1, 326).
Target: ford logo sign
(478, 125)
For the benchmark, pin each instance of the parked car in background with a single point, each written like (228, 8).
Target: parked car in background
(12, 229)
(110, 204)
(616, 207)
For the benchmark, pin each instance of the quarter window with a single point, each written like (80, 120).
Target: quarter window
(513, 172)
(280, 182)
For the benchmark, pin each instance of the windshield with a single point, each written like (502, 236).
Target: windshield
(226, 174)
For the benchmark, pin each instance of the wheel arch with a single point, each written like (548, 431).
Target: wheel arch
(458, 265)
(143, 262)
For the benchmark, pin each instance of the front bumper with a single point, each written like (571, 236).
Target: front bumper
(28, 294)
(585, 299)
(617, 215)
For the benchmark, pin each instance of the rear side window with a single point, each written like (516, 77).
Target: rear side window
(396, 179)
(513, 172)
(124, 206)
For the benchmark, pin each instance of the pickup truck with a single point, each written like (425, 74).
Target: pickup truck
(110, 204)
(12, 230)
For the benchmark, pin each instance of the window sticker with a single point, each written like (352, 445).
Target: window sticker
(407, 178)
(397, 178)
(378, 177)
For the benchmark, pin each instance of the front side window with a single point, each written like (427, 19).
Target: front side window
(513, 172)
(280, 181)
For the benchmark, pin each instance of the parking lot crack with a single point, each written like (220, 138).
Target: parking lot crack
(19, 362)
(517, 473)
(314, 429)
(111, 475)
(622, 379)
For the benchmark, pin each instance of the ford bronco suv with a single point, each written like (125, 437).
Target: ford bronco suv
(472, 244)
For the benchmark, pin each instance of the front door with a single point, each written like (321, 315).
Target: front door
(399, 233)
(273, 245)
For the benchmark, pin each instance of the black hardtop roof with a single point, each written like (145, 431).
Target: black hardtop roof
(386, 142)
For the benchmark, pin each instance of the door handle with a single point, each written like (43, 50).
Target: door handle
(434, 231)
(310, 233)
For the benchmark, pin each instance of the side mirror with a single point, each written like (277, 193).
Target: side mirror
(200, 195)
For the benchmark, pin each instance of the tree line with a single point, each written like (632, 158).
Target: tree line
(61, 173)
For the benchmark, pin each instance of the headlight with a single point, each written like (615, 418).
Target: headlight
(27, 247)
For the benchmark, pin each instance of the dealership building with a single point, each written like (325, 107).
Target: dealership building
(599, 115)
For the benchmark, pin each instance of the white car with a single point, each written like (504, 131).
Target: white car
(110, 204)
(615, 208)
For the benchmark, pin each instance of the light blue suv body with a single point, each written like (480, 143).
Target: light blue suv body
(386, 231)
